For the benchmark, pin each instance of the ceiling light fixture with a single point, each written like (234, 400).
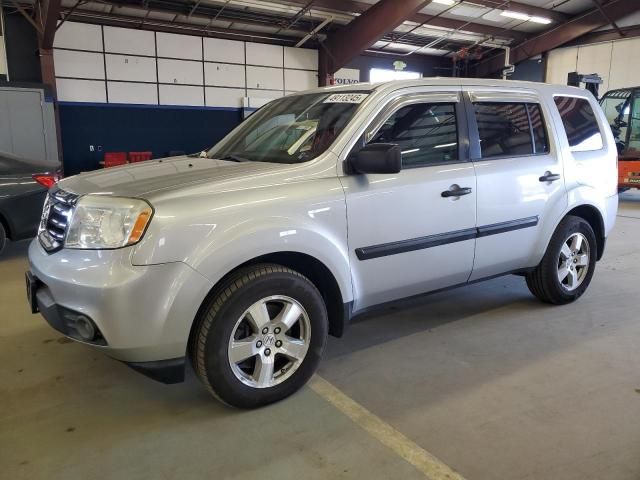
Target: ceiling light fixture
(445, 2)
(516, 15)
(542, 20)
(525, 17)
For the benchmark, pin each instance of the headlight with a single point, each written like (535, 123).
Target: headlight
(107, 222)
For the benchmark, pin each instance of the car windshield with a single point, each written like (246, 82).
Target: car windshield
(293, 129)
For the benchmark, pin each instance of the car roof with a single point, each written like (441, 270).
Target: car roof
(452, 82)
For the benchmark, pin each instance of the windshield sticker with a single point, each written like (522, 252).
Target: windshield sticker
(346, 98)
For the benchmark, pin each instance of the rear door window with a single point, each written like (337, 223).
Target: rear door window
(580, 123)
(510, 129)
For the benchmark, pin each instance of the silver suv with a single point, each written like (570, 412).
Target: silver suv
(320, 206)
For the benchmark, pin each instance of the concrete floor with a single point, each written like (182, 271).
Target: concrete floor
(493, 383)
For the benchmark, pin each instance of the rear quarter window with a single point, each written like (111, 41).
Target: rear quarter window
(580, 123)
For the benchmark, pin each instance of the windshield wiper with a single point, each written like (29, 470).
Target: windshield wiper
(235, 158)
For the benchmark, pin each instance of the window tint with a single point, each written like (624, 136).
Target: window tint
(504, 129)
(580, 123)
(427, 133)
(540, 140)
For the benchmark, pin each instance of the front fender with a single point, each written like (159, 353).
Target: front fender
(275, 236)
(215, 235)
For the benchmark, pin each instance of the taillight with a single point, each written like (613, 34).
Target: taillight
(47, 180)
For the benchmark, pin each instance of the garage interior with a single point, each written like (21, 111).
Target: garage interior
(482, 382)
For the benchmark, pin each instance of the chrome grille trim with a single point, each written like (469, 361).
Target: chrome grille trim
(56, 215)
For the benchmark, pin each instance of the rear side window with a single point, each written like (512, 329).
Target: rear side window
(426, 132)
(510, 129)
(580, 123)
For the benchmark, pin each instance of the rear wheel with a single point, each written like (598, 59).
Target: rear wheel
(568, 265)
(261, 337)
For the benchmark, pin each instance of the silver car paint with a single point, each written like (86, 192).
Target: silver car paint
(211, 216)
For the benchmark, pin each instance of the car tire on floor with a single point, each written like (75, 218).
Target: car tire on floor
(568, 265)
(261, 336)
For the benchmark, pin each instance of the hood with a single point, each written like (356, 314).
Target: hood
(168, 174)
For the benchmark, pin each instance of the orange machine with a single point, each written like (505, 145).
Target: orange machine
(622, 108)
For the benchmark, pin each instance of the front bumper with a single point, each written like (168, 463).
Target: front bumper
(143, 313)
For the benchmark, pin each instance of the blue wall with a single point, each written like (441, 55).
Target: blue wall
(128, 128)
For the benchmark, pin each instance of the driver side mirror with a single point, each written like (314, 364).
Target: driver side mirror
(376, 158)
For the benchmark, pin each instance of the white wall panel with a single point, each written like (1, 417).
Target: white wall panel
(301, 58)
(225, 51)
(613, 61)
(138, 93)
(137, 69)
(625, 70)
(559, 63)
(81, 90)
(179, 46)
(78, 64)
(265, 78)
(181, 95)
(262, 54)
(224, 75)
(180, 72)
(596, 59)
(80, 36)
(297, 80)
(224, 97)
(258, 98)
(126, 40)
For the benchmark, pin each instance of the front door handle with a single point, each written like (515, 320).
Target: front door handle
(456, 191)
(549, 177)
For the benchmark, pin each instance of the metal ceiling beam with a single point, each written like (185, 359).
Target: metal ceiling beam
(606, 15)
(557, 36)
(605, 36)
(357, 7)
(362, 32)
(50, 13)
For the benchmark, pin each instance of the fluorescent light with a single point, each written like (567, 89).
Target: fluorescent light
(516, 15)
(445, 2)
(525, 17)
(445, 145)
(542, 20)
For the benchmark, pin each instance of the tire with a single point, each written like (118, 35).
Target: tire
(3, 238)
(545, 280)
(256, 299)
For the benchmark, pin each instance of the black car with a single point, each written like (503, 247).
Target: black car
(23, 186)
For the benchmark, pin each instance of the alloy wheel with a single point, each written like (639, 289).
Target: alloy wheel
(573, 262)
(269, 341)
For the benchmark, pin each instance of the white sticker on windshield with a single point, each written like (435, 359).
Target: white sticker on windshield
(346, 98)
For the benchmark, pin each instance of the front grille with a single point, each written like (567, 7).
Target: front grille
(56, 215)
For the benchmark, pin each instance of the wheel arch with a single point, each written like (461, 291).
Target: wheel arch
(593, 217)
(338, 311)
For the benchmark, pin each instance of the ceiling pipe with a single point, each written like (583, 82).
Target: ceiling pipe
(314, 31)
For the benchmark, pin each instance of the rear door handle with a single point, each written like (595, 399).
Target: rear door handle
(456, 191)
(549, 177)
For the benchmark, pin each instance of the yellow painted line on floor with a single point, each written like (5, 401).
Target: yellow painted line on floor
(427, 463)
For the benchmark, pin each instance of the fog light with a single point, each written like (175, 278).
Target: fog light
(85, 328)
(82, 325)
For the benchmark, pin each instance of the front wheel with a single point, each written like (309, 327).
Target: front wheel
(568, 265)
(261, 337)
